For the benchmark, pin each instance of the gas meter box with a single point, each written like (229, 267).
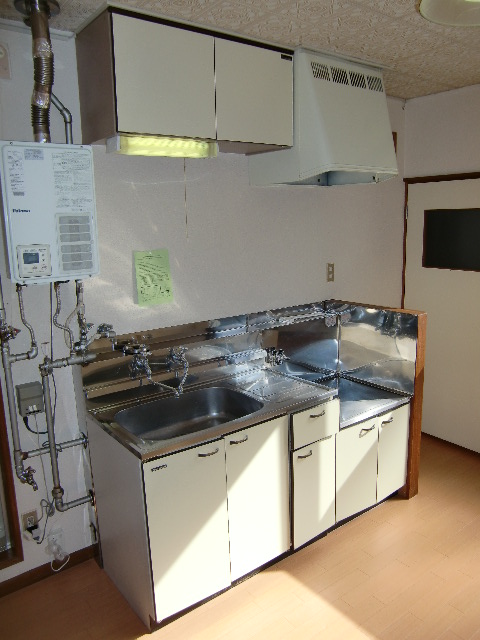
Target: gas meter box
(49, 212)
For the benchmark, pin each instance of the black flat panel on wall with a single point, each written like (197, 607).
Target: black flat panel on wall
(451, 239)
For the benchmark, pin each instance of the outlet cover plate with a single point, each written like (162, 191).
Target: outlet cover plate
(29, 519)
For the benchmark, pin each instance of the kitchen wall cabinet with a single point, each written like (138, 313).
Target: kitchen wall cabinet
(164, 79)
(356, 468)
(253, 93)
(137, 75)
(258, 495)
(186, 502)
(392, 451)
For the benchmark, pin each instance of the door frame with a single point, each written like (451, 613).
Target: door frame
(15, 553)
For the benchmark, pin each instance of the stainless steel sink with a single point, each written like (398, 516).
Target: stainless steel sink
(191, 412)
(299, 371)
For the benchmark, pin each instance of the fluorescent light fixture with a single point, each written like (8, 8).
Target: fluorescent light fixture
(453, 13)
(162, 146)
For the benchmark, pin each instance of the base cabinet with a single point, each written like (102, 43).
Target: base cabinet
(313, 471)
(186, 502)
(356, 469)
(392, 451)
(371, 461)
(258, 495)
(180, 528)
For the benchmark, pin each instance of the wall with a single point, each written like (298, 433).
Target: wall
(233, 248)
(15, 95)
(443, 137)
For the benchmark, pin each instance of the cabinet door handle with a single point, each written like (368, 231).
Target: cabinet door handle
(307, 455)
(317, 415)
(212, 453)
(239, 441)
(363, 432)
(387, 421)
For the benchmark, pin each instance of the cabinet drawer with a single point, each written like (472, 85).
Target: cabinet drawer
(316, 423)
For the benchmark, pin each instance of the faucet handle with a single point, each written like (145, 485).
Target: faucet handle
(178, 353)
(136, 349)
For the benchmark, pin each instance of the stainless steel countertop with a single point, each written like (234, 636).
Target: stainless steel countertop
(282, 390)
(279, 393)
(359, 401)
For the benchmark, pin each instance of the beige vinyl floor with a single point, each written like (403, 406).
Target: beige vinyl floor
(403, 570)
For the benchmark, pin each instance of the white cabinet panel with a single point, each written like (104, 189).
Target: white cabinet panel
(392, 451)
(258, 495)
(188, 526)
(313, 490)
(356, 471)
(316, 423)
(164, 79)
(254, 94)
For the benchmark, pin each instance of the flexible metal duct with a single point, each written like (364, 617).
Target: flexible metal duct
(38, 13)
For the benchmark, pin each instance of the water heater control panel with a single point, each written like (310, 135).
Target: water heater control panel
(34, 260)
(49, 211)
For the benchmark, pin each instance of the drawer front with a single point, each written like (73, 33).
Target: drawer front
(316, 423)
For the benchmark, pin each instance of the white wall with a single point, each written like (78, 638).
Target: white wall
(15, 95)
(443, 137)
(442, 134)
(233, 248)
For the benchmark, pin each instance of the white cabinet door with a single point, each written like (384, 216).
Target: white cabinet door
(164, 79)
(258, 495)
(356, 470)
(313, 490)
(254, 94)
(392, 451)
(188, 526)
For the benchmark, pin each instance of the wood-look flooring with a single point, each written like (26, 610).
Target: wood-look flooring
(406, 570)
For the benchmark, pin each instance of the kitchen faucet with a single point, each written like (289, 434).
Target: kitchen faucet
(140, 366)
(177, 356)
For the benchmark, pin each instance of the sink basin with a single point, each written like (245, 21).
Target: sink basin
(191, 412)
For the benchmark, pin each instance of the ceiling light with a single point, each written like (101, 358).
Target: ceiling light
(162, 146)
(455, 13)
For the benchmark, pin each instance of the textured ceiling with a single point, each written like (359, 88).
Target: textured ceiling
(419, 57)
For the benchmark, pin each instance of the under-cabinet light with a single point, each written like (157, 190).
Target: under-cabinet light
(162, 146)
(454, 13)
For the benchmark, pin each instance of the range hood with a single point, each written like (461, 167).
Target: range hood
(341, 127)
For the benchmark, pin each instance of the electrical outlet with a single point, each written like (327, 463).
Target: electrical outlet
(29, 520)
(330, 271)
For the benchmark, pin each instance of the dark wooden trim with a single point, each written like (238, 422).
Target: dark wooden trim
(405, 227)
(475, 175)
(45, 571)
(15, 554)
(413, 466)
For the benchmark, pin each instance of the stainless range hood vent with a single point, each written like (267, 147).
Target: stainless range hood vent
(341, 129)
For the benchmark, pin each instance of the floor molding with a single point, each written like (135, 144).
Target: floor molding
(45, 571)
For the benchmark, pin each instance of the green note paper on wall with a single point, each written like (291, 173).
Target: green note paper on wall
(152, 272)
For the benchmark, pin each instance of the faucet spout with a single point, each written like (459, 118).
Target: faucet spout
(177, 357)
